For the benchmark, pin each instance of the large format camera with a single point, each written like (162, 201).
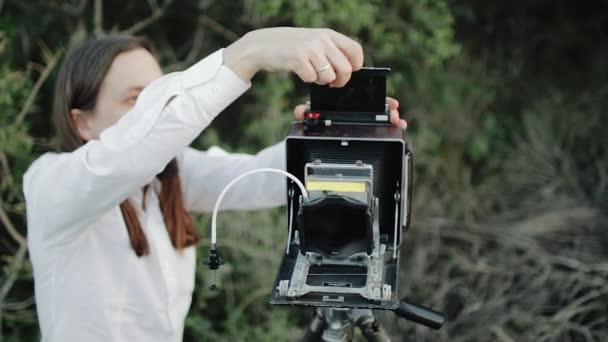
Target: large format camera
(348, 201)
(343, 241)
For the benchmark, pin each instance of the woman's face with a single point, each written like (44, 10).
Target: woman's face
(129, 73)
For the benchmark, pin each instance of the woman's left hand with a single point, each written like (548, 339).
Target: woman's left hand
(393, 107)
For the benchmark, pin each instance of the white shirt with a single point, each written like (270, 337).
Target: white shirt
(90, 286)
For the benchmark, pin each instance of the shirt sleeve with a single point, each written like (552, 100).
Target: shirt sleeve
(206, 173)
(69, 190)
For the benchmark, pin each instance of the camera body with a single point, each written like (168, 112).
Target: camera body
(343, 241)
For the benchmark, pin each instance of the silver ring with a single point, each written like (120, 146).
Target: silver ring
(324, 68)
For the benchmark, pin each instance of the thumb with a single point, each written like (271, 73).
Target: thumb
(299, 111)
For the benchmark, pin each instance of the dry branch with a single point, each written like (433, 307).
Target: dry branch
(10, 227)
(11, 277)
(51, 61)
(157, 13)
(219, 28)
(98, 17)
(7, 170)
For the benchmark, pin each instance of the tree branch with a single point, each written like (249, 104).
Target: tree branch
(98, 17)
(12, 273)
(157, 12)
(62, 8)
(16, 306)
(194, 52)
(6, 167)
(10, 227)
(219, 28)
(51, 61)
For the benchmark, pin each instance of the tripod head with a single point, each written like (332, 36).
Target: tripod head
(337, 324)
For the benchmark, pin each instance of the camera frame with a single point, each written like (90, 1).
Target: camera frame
(341, 137)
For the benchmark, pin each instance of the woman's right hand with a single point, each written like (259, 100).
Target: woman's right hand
(316, 55)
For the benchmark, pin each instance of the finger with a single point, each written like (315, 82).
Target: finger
(392, 103)
(350, 48)
(340, 63)
(396, 120)
(299, 111)
(394, 117)
(305, 70)
(324, 74)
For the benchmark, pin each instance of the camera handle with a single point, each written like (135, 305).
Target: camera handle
(420, 314)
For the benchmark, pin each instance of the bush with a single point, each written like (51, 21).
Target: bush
(508, 234)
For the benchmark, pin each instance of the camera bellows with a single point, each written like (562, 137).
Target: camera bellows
(335, 226)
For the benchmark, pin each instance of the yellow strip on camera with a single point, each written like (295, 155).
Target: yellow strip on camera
(335, 186)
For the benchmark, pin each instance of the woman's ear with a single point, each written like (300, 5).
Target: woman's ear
(81, 121)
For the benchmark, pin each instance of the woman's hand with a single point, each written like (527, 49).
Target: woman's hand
(393, 107)
(316, 55)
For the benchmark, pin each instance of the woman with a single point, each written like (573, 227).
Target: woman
(110, 234)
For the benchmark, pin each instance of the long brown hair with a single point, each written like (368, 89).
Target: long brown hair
(77, 87)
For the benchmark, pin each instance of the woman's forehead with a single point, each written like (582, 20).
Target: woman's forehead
(131, 70)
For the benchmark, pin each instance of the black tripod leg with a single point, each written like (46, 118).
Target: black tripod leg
(374, 332)
(370, 327)
(316, 328)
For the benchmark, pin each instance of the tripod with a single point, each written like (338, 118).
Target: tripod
(338, 324)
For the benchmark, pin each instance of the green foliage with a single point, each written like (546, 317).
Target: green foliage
(14, 89)
(457, 138)
(422, 30)
(562, 152)
(15, 140)
(275, 93)
(16, 154)
(499, 138)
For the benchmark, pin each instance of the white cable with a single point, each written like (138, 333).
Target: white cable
(219, 199)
